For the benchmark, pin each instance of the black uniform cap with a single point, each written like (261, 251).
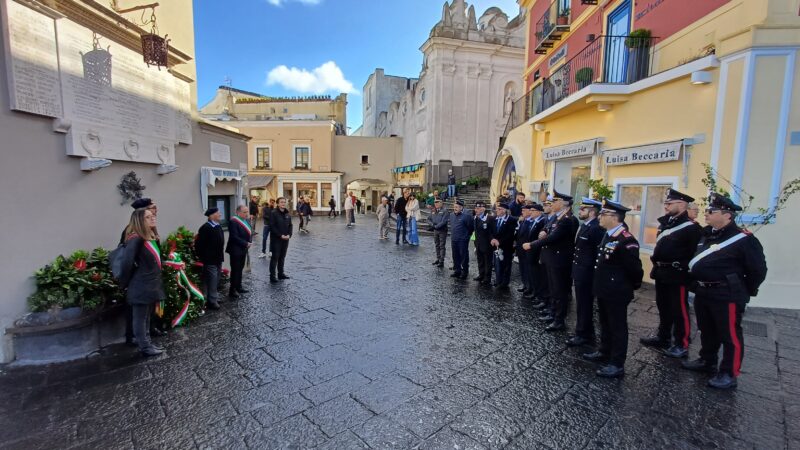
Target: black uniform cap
(557, 195)
(537, 207)
(608, 205)
(460, 202)
(143, 202)
(672, 194)
(211, 211)
(502, 205)
(480, 204)
(718, 201)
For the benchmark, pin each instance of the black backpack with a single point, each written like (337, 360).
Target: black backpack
(121, 265)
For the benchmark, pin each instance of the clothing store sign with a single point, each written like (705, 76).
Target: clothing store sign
(653, 153)
(575, 149)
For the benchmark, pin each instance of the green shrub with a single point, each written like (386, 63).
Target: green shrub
(639, 38)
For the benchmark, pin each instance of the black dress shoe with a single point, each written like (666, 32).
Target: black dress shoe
(150, 351)
(157, 332)
(405, 241)
(435, 263)
(700, 365)
(654, 341)
(233, 294)
(131, 342)
(273, 280)
(676, 351)
(396, 242)
(283, 277)
(440, 265)
(502, 286)
(478, 278)
(610, 371)
(211, 305)
(556, 326)
(527, 296)
(242, 291)
(722, 381)
(578, 341)
(539, 306)
(455, 275)
(522, 289)
(596, 356)
(547, 318)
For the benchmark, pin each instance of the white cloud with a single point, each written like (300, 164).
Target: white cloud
(325, 78)
(305, 2)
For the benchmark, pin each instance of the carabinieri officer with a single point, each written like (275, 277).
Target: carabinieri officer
(726, 270)
(588, 239)
(617, 274)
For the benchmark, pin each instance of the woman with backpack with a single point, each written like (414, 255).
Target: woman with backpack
(143, 256)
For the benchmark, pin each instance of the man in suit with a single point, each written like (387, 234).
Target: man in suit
(503, 232)
(558, 245)
(240, 237)
(209, 248)
(618, 273)
(483, 247)
(537, 277)
(586, 242)
(461, 227)
(522, 236)
(281, 232)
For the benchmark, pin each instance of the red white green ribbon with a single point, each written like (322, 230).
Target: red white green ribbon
(152, 247)
(179, 266)
(243, 223)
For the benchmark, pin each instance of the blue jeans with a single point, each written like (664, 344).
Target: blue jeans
(264, 236)
(401, 224)
(451, 190)
(413, 237)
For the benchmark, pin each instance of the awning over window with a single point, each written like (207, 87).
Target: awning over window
(259, 181)
(405, 169)
(209, 177)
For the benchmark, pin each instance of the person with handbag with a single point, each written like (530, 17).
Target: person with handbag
(145, 288)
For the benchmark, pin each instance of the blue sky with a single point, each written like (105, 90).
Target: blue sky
(313, 46)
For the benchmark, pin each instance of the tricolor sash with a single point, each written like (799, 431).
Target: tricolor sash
(672, 230)
(152, 247)
(715, 248)
(244, 224)
(189, 288)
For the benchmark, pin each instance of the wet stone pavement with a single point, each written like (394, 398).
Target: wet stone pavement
(368, 346)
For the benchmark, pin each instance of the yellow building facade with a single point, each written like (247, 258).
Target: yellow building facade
(720, 89)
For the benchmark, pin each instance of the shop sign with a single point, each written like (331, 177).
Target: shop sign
(653, 153)
(575, 149)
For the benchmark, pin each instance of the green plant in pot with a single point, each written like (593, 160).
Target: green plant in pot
(638, 43)
(584, 77)
(563, 17)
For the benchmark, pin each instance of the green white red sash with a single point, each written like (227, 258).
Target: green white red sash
(179, 266)
(152, 247)
(243, 224)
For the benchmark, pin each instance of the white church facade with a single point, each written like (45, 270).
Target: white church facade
(453, 115)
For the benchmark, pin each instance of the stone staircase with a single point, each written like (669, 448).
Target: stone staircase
(468, 195)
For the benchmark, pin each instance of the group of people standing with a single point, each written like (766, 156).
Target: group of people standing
(596, 255)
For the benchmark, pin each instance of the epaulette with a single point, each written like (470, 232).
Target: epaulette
(747, 232)
(626, 233)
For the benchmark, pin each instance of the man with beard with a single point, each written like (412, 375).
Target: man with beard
(589, 236)
(676, 243)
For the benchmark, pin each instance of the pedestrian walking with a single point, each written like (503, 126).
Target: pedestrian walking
(281, 224)
(676, 243)
(461, 228)
(590, 233)
(266, 214)
(414, 215)
(439, 219)
(349, 205)
(332, 205)
(145, 288)
(358, 206)
(483, 223)
(305, 212)
(253, 210)
(240, 238)
(400, 210)
(726, 270)
(382, 213)
(503, 232)
(451, 183)
(618, 273)
(391, 203)
(298, 209)
(209, 247)
(557, 243)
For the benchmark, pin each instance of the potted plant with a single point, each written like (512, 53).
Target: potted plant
(638, 43)
(584, 77)
(563, 17)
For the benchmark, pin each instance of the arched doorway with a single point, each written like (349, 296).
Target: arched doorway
(508, 177)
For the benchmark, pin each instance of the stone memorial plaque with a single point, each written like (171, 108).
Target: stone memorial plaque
(220, 152)
(31, 60)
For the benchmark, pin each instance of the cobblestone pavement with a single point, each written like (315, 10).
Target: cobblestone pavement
(368, 346)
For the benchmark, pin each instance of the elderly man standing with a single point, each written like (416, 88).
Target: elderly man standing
(438, 220)
(209, 248)
(240, 237)
(382, 211)
(461, 227)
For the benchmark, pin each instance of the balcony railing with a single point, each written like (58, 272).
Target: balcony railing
(607, 59)
(554, 22)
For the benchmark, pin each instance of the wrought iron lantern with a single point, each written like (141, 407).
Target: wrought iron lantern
(155, 49)
(97, 63)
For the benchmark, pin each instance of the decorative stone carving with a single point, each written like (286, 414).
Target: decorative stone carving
(164, 153)
(131, 148)
(90, 141)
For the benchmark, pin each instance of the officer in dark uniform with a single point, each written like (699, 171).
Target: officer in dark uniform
(461, 228)
(588, 239)
(727, 269)
(524, 226)
(505, 226)
(676, 243)
(483, 223)
(536, 274)
(617, 274)
(558, 246)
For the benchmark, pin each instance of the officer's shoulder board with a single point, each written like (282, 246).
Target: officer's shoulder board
(626, 233)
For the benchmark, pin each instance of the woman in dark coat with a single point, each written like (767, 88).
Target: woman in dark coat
(145, 287)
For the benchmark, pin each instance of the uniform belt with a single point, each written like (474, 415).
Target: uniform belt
(673, 264)
(712, 284)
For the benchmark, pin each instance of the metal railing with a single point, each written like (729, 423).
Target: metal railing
(557, 16)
